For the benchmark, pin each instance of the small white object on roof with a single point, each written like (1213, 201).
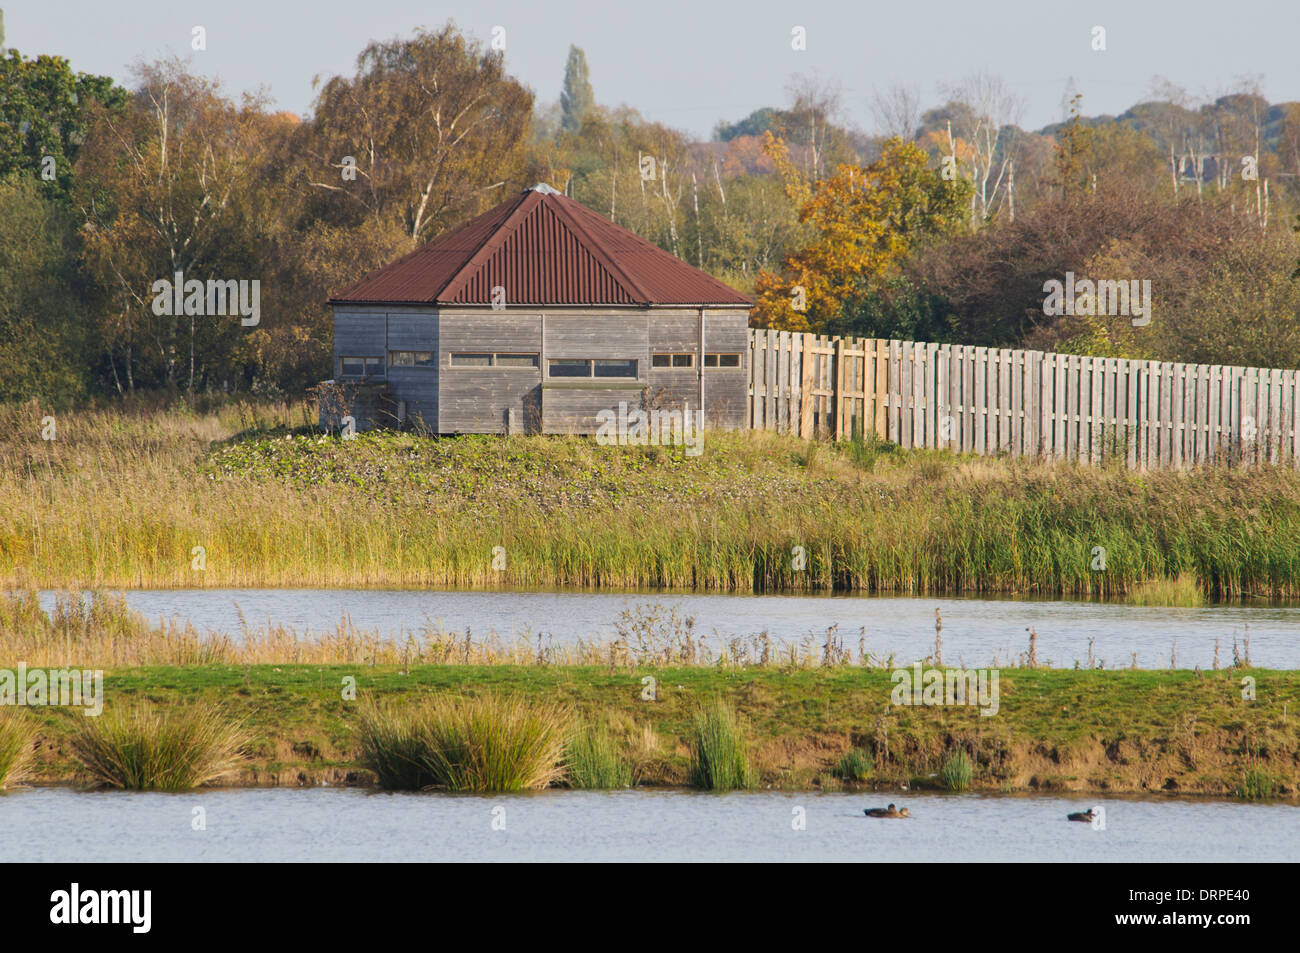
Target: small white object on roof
(544, 189)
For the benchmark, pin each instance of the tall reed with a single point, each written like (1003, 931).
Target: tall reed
(123, 498)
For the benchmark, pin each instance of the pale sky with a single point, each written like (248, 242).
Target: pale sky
(690, 63)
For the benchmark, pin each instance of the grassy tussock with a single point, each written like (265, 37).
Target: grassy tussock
(121, 499)
(144, 749)
(1142, 731)
(1257, 784)
(17, 732)
(855, 765)
(720, 758)
(491, 743)
(597, 760)
(955, 772)
(393, 742)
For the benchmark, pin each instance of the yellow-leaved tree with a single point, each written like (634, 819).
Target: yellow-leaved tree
(864, 221)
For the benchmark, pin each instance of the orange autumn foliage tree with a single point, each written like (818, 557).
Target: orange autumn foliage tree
(864, 220)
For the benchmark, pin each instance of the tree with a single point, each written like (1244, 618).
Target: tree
(1074, 143)
(811, 122)
(983, 112)
(43, 341)
(428, 132)
(157, 186)
(576, 98)
(864, 221)
(897, 112)
(755, 124)
(44, 111)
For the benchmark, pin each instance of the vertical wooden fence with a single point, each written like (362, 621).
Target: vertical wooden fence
(1149, 414)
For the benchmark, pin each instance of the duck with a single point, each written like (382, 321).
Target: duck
(1084, 816)
(890, 811)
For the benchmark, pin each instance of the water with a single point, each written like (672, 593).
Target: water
(58, 824)
(976, 631)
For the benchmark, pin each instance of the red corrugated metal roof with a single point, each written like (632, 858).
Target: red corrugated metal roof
(542, 248)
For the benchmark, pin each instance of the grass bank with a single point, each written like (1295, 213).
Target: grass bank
(1081, 731)
(247, 495)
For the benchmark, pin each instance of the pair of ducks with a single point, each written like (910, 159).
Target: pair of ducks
(890, 811)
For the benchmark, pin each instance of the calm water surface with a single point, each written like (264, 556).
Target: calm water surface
(58, 824)
(976, 631)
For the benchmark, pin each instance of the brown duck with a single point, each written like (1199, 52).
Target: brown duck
(890, 811)
(1084, 816)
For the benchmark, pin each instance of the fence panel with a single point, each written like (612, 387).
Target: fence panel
(1148, 414)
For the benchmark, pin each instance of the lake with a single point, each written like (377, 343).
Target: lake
(60, 824)
(976, 632)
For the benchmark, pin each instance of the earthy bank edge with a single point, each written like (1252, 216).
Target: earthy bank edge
(1113, 732)
(252, 495)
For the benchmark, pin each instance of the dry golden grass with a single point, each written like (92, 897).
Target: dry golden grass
(1182, 591)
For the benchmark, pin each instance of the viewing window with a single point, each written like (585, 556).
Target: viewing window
(673, 360)
(562, 368)
(597, 367)
(615, 368)
(721, 360)
(471, 360)
(516, 360)
(493, 360)
(410, 358)
(361, 366)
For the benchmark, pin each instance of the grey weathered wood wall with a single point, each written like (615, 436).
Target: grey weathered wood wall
(446, 398)
(1145, 414)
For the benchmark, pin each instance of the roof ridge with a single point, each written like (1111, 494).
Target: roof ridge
(596, 251)
(552, 249)
(420, 249)
(460, 278)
